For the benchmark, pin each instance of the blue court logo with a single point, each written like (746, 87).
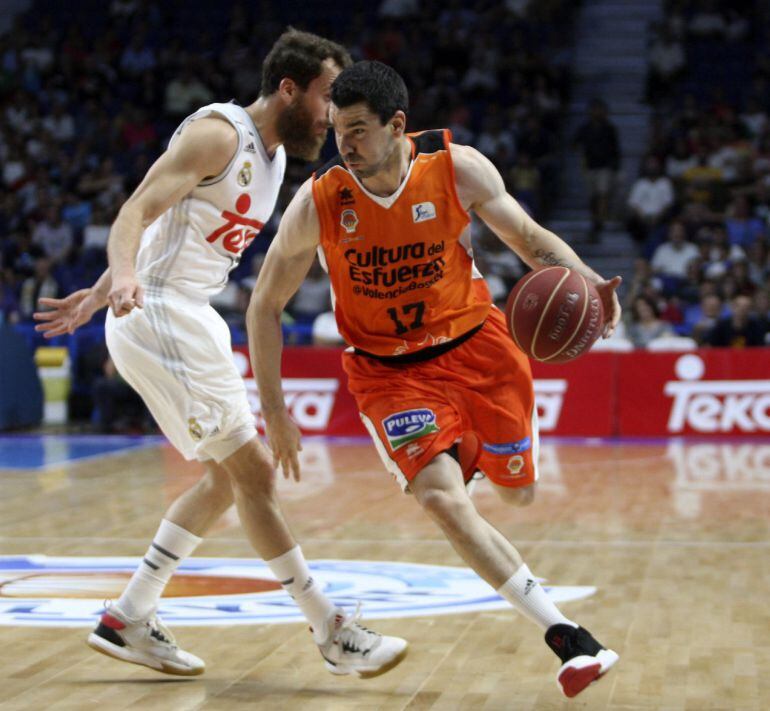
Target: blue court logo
(70, 592)
(409, 425)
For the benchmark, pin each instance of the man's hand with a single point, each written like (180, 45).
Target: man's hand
(609, 297)
(284, 438)
(125, 295)
(66, 315)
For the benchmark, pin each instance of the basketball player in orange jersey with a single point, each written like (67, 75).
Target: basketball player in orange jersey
(438, 381)
(171, 248)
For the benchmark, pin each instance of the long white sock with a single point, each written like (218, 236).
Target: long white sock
(171, 545)
(527, 595)
(291, 570)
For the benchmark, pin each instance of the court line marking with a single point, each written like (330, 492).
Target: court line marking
(418, 541)
(68, 463)
(437, 666)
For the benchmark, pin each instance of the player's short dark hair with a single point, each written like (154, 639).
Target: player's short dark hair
(299, 56)
(378, 85)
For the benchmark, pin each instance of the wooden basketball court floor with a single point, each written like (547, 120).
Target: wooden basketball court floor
(674, 535)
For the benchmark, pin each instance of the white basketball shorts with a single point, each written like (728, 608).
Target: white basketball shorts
(177, 355)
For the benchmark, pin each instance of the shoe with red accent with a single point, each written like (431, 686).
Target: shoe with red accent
(350, 648)
(585, 660)
(147, 642)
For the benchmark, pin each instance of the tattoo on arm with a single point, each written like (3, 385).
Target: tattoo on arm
(550, 259)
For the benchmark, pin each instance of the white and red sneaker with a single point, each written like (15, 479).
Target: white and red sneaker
(585, 660)
(350, 648)
(147, 642)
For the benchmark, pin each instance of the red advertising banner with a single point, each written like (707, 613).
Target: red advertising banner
(576, 398)
(710, 392)
(316, 391)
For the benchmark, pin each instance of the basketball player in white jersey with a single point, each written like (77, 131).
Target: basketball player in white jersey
(170, 249)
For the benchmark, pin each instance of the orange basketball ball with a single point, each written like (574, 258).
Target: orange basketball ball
(554, 314)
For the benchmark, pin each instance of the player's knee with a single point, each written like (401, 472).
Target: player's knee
(217, 486)
(444, 506)
(251, 472)
(522, 496)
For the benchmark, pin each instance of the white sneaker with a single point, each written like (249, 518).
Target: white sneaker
(147, 642)
(351, 648)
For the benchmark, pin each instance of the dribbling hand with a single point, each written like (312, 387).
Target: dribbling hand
(608, 293)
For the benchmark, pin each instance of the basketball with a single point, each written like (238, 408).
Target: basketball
(554, 314)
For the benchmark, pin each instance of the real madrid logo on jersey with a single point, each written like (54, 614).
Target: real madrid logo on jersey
(244, 175)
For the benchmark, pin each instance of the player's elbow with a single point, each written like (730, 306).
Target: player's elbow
(261, 309)
(138, 211)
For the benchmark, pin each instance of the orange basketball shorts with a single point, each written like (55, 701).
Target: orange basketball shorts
(477, 396)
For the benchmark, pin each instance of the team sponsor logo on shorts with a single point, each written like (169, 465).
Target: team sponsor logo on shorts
(409, 425)
(39, 591)
(510, 447)
(423, 211)
(349, 220)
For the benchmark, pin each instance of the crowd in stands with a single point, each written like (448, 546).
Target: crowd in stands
(90, 93)
(700, 210)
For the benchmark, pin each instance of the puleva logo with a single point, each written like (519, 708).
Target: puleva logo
(423, 211)
(409, 425)
(70, 592)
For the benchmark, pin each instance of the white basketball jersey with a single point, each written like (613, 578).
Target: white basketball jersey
(193, 246)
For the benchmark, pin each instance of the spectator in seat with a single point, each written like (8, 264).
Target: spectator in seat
(666, 62)
(680, 160)
(702, 318)
(672, 257)
(524, 178)
(184, 93)
(598, 142)
(754, 118)
(313, 297)
(646, 324)
(40, 284)
(702, 181)
(118, 409)
(53, 235)
(743, 228)
(741, 328)
(650, 201)
(762, 304)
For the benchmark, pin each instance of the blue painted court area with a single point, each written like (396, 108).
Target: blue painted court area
(42, 451)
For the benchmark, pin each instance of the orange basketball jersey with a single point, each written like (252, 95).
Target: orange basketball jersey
(400, 267)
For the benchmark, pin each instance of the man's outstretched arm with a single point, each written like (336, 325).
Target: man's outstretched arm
(287, 263)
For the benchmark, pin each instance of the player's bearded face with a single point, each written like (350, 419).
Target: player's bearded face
(301, 134)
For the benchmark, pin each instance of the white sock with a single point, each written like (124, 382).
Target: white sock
(527, 595)
(171, 545)
(291, 570)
